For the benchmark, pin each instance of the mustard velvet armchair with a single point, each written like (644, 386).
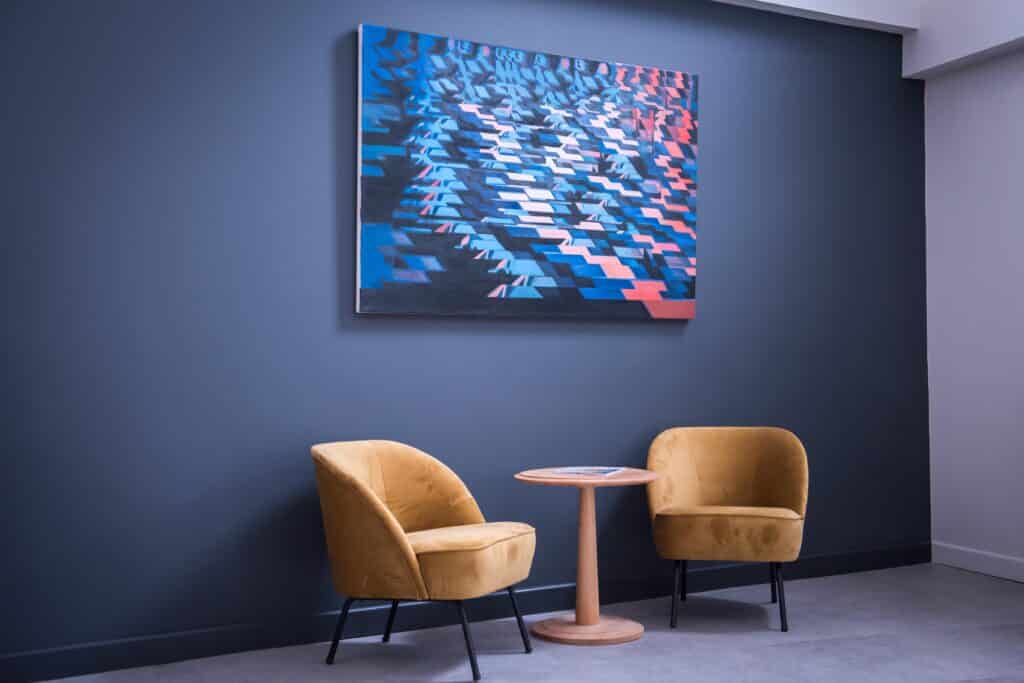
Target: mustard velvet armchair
(401, 526)
(728, 493)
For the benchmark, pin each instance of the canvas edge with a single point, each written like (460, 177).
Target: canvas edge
(359, 163)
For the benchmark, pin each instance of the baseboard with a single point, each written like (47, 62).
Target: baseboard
(369, 619)
(976, 560)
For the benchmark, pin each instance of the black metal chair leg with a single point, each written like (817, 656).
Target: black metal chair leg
(782, 597)
(519, 619)
(469, 640)
(338, 629)
(676, 589)
(775, 581)
(682, 590)
(391, 622)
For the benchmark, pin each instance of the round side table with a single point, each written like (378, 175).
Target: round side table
(588, 627)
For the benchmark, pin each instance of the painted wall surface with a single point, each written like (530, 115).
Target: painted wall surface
(178, 193)
(975, 144)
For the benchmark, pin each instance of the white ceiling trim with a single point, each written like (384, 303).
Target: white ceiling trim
(938, 35)
(891, 16)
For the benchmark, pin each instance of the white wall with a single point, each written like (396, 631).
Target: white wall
(974, 133)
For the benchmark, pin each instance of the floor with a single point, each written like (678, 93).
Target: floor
(918, 623)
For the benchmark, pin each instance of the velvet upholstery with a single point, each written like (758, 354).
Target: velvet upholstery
(728, 493)
(401, 525)
(467, 561)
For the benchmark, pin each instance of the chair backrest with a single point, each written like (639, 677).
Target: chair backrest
(371, 494)
(749, 466)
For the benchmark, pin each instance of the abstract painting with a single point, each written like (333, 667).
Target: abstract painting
(507, 183)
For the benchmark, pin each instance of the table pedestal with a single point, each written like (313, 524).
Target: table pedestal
(588, 627)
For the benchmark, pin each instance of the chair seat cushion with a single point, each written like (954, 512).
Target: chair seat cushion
(729, 532)
(463, 562)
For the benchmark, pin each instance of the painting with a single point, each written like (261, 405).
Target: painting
(507, 183)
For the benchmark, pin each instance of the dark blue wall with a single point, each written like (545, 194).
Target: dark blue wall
(178, 293)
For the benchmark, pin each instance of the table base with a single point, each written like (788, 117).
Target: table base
(607, 631)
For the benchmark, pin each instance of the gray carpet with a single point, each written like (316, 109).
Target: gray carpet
(919, 623)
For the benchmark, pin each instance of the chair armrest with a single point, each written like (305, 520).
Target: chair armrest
(677, 483)
(370, 556)
(783, 474)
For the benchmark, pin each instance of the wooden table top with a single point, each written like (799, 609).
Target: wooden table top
(629, 476)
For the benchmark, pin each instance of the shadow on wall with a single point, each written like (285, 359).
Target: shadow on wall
(344, 81)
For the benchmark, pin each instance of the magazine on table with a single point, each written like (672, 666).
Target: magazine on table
(585, 471)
